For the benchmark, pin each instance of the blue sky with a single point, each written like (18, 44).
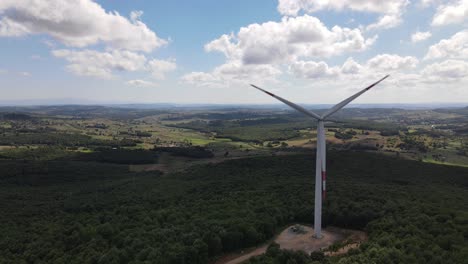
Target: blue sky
(209, 51)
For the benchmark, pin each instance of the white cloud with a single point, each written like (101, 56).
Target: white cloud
(49, 43)
(426, 3)
(312, 70)
(141, 83)
(449, 70)
(455, 47)
(105, 64)
(380, 64)
(237, 70)
(10, 28)
(390, 10)
(258, 52)
(159, 68)
(386, 22)
(83, 24)
(200, 79)
(376, 66)
(100, 64)
(415, 83)
(451, 13)
(76, 24)
(135, 15)
(420, 36)
(195, 77)
(288, 40)
(225, 45)
(25, 74)
(391, 62)
(292, 7)
(3, 71)
(232, 73)
(350, 66)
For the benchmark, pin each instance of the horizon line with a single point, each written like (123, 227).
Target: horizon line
(17, 104)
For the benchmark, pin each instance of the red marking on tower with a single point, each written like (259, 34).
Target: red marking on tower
(324, 184)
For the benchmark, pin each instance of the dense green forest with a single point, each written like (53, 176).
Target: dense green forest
(190, 152)
(89, 212)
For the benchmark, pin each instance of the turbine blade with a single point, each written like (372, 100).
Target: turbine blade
(293, 105)
(348, 100)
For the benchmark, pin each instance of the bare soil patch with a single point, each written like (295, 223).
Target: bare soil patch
(305, 241)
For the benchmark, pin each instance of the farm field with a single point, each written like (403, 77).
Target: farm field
(438, 135)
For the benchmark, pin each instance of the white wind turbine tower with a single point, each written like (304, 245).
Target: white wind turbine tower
(320, 170)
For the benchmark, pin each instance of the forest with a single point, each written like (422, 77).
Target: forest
(102, 213)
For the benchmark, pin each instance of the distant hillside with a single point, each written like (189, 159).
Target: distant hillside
(459, 111)
(15, 116)
(83, 111)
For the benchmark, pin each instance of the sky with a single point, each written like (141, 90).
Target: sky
(209, 51)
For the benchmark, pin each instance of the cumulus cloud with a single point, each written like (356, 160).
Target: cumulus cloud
(449, 70)
(10, 28)
(380, 64)
(258, 52)
(84, 24)
(200, 79)
(420, 36)
(225, 45)
(390, 10)
(426, 3)
(232, 73)
(105, 64)
(141, 83)
(451, 13)
(312, 69)
(159, 68)
(350, 66)
(203, 79)
(236, 70)
(76, 24)
(455, 47)
(288, 40)
(292, 7)
(406, 76)
(25, 74)
(100, 64)
(390, 62)
(386, 22)
(135, 15)
(317, 70)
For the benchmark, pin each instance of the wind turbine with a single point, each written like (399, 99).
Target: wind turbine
(320, 165)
